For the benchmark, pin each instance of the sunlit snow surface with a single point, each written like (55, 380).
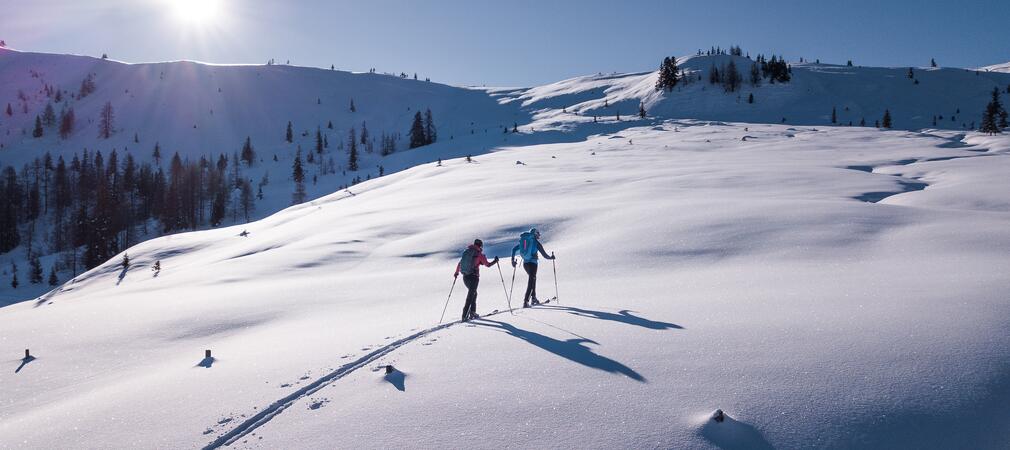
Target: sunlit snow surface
(825, 287)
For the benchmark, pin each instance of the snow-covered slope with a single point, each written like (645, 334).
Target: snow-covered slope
(800, 279)
(956, 97)
(200, 109)
(1005, 67)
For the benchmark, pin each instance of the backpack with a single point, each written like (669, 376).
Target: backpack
(466, 262)
(528, 246)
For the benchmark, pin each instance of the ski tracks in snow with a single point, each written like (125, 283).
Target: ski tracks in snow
(268, 413)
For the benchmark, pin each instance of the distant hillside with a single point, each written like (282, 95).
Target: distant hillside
(956, 97)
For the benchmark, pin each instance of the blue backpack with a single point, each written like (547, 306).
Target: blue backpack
(466, 262)
(528, 246)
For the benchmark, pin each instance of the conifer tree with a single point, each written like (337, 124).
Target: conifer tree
(10, 112)
(352, 152)
(53, 278)
(35, 270)
(49, 116)
(417, 134)
(750, 98)
(995, 116)
(755, 75)
(932, 62)
(887, 118)
(248, 153)
(667, 74)
(834, 115)
(298, 175)
(430, 134)
(157, 154)
(106, 124)
(353, 109)
(289, 134)
(37, 131)
(319, 141)
(713, 75)
(67, 122)
(641, 110)
(731, 77)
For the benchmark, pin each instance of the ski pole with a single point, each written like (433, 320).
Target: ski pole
(507, 299)
(447, 301)
(512, 286)
(555, 266)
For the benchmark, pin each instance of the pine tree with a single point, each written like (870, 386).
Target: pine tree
(125, 263)
(430, 135)
(10, 112)
(750, 98)
(156, 154)
(352, 152)
(353, 109)
(106, 124)
(298, 174)
(755, 75)
(289, 134)
(731, 77)
(417, 135)
(247, 199)
(713, 75)
(248, 153)
(67, 122)
(667, 74)
(14, 276)
(49, 116)
(995, 116)
(35, 270)
(37, 131)
(911, 74)
(319, 141)
(53, 278)
(887, 118)
(641, 110)
(834, 115)
(932, 62)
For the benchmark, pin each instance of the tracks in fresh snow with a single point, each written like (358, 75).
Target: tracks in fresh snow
(268, 413)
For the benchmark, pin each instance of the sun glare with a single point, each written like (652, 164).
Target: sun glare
(196, 12)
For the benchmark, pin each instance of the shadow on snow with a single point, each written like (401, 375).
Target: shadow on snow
(572, 349)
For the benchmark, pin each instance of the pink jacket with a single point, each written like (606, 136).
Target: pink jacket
(478, 259)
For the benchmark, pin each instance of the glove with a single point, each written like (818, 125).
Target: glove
(495, 261)
(455, 275)
(513, 262)
(552, 255)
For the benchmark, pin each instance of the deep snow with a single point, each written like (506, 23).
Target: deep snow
(701, 265)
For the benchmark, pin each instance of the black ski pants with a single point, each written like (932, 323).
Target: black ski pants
(470, 307)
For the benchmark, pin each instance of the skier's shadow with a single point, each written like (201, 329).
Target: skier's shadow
(24, 362)
(623, 316)
(573, 349)
(397, 379)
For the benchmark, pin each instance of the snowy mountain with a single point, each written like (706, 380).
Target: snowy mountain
(956, 97)
(827, 286)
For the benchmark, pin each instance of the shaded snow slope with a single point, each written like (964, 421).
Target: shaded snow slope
(700, 266)
(198, 109)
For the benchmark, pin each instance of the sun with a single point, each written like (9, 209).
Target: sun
(196, 12)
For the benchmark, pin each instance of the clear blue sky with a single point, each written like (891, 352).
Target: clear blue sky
(512, 43)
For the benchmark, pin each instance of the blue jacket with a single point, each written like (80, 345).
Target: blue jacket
(529, 255)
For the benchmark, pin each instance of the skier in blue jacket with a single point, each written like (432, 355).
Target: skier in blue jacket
(528, 247)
